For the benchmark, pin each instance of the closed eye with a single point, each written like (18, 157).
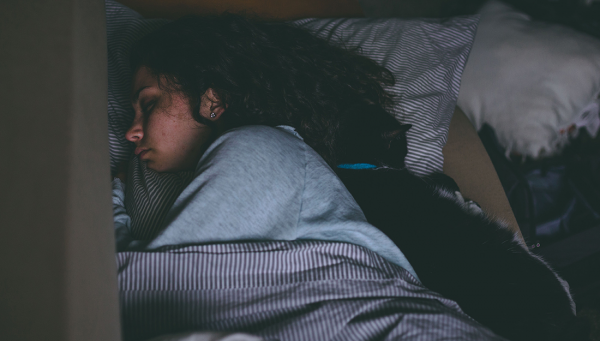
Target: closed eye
(147, 108)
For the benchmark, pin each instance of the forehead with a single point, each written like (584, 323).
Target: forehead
(143, 78)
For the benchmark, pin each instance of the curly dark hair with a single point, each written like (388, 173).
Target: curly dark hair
(279, 74)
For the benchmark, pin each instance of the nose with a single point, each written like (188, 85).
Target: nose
(136, 132)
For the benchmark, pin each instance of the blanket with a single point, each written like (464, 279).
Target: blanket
(299, 290)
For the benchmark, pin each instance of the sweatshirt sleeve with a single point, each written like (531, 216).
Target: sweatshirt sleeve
(121, 219)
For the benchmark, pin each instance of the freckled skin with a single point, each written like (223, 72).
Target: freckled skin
(163, 124)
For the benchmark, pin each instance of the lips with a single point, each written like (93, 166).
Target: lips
(140, 152)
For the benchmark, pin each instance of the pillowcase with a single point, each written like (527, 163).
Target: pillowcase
(426, 57)
(530, 81)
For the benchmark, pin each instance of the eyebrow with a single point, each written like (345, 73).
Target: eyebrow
(137, 94)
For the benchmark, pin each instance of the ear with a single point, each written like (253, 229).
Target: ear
(405, 127)
(211, 106)
(396, 135)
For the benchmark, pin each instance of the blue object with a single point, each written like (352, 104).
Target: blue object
(357, 166)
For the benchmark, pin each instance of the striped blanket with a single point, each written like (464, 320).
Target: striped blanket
(300, 290)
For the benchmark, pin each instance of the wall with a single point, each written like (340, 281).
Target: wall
(58, 275)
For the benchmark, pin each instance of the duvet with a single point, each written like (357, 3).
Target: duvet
(282, 290)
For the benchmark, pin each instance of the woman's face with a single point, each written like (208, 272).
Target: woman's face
(164, 132)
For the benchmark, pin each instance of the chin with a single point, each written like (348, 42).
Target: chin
(161, 168)
(155, 167)
(170, 166)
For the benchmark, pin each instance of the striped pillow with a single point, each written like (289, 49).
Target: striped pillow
(426, 56)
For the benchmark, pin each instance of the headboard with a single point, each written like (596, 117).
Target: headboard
(263, 9)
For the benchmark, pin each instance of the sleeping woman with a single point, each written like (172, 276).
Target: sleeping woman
(272, 134)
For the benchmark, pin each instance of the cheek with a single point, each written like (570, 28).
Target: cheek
(196, 139)
(187, 140)
(177, 139)
(164, 128)
(187, 150)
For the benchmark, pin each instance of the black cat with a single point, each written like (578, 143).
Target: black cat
(464, 255)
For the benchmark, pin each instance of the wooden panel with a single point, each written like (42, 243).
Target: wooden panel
(265, 9)
(404, 8)
(57, 258)
(467, 162)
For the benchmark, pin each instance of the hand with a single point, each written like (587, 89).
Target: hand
(122, 171)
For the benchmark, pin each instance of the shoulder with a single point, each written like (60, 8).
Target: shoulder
(261, 133)
(257, 144)
(257, 138)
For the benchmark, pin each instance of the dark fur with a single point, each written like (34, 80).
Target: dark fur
(466, 257)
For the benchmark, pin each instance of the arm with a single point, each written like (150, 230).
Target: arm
(121, 218)
(467, 162)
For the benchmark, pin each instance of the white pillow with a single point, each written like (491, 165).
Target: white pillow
(530, 80)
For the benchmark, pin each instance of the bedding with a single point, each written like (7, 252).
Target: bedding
(165, 294)
(207, 336)
(426, 57)
(258, 183)
(300, 290)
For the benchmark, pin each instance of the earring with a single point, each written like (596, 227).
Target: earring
(213, 115)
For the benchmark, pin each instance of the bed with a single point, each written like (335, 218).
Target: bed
(427, 58)
(67, 243)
